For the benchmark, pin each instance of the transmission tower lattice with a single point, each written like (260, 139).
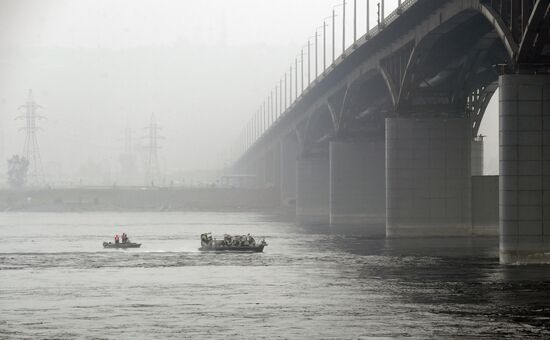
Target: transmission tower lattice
(153, 169)
(31, 150)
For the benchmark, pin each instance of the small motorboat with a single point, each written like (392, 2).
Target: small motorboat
(231, 243)
(121, 245)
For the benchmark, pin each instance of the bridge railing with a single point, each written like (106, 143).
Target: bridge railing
(395, 14)
(281, 102)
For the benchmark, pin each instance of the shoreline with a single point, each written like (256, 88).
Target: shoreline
(136, 199)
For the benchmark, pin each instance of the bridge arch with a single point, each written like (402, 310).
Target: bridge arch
(368, 99)
(317, 129)
(413, 41)
(533, 41)
(432, 60)
(500, 28)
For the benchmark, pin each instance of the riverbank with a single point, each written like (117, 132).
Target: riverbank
(138, 199)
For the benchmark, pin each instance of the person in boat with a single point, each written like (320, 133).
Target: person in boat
(124, 238)
(250, 241)
(116, 238)
(227, 239)
(206, 240)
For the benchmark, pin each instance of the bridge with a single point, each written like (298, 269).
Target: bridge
(382, 135)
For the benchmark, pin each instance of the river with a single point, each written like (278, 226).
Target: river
(56, 281)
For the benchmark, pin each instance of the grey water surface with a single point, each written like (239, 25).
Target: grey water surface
(56, 281)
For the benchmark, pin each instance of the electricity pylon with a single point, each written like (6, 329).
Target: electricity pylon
(153, 175)
(31, 150)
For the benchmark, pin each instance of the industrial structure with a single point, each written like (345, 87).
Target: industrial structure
(153, 173)
(31, 150)
(381, 136)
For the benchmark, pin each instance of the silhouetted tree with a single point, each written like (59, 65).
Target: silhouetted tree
(17, 171)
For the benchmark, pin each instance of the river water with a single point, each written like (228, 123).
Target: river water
(56, 281)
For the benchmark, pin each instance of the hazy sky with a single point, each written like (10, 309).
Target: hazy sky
(99, 66)
(129, 23)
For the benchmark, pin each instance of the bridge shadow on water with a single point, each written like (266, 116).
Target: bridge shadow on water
(370, 240)
(456, 278)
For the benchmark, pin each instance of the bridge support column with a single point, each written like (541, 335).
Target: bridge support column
(428, 180)
(524, 169)
(272, 168)
(288, 165)
(477, 156)
(312, 200)
(358, 186)
(259, 170)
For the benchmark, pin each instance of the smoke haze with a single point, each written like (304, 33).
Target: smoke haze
(100, 68)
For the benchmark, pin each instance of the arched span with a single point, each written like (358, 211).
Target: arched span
(457, 13)
(501, 29)
(336, 104)
(532, 42)
(373, 76)
(479, 107)
(390, 85)
(318, 128)
(298, 133)
(366, 94)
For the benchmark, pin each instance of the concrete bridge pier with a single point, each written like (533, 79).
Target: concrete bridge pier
(524, 169)
(312, 199)
(289, 150)
(358, 186)
(258, 168)
(265, 169)
(272, 168)
(477, 156)
(428, 177)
